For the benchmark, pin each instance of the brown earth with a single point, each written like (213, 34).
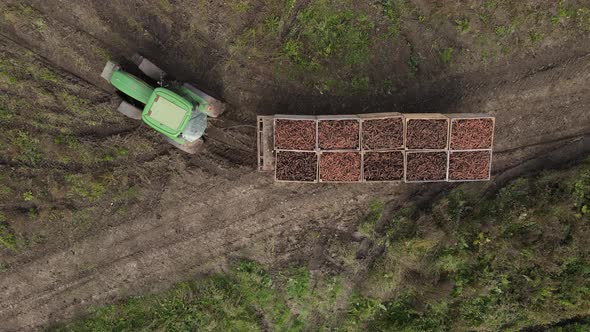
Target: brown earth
(204, 210)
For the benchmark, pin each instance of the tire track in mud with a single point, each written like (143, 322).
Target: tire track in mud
(181, 244)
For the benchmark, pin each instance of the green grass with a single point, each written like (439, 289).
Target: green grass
(447, 55)
(462, 25)
(84, 187)
(367, 225)
(327, 35)
(5, 117)
(414, 64)
(29, 151)
(392, 10)
(7, 238)
(324, 33)
(504, 31)
(28, 196)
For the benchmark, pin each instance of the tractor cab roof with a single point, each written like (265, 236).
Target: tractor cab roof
(167, 112)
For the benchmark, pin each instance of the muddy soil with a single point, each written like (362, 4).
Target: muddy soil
(214, 207)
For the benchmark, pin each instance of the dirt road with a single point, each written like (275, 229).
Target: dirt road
(211, 210)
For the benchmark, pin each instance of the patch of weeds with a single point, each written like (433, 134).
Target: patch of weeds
(490, 4)
(125, 197)
(360, 309)
(290, 5)
(297, 285)
(367, 225)
(581, 194)
(33, 213)
(71, 142)
(135, 25)
(83, 187)
(165, 5)
(47, 75)
(115, 153)
(398, 313)
(323, 33)
(103, 53)
(487, 56)
(240, 6)
(564, 13)
(7, 238)
(28, 196)
(462, 25)
(504, 30)
(28, 147)
(387, 88)
(5, 191)
(360, 84)
(536, 37)
(74, 103)
(413, 63)
(583, 18)
(4, 268)
(392, 10)
(40, 24)
(447, 54)
(5, 117)
(25, 14)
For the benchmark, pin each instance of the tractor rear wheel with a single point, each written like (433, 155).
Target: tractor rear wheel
(129, 110)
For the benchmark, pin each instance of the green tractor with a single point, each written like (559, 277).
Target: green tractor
(177, 111)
